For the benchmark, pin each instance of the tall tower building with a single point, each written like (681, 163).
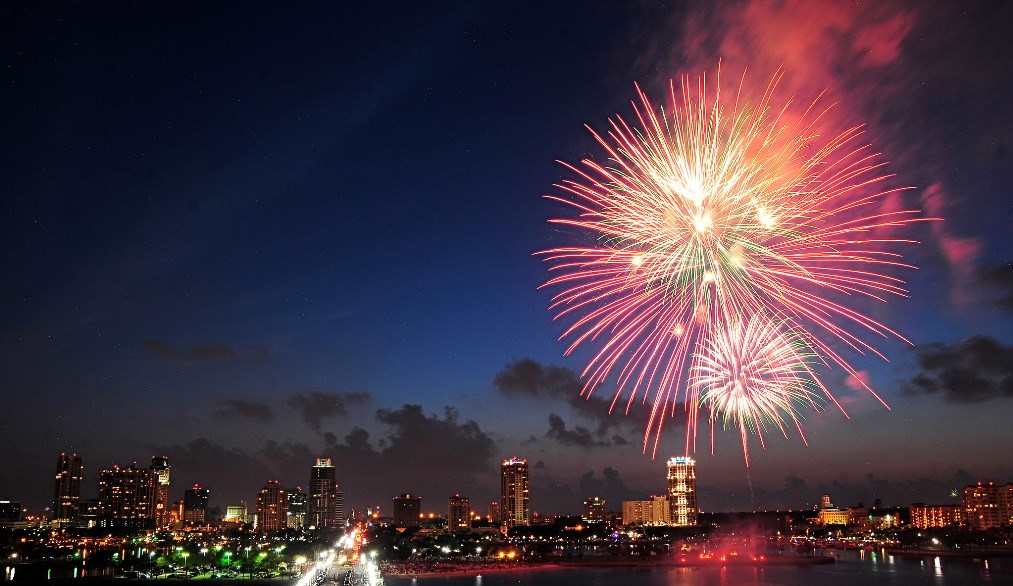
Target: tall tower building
(594, 510)
(326, 501)
(514, 492)
(682, 491)
(297, 502)
(195, 504)
(127, 497)
(67, 489)
(272, 508)
(407, 508)
(982, 507)
(458, 513)
(163, 473)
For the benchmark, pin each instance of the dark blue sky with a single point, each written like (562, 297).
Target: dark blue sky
(210, 214)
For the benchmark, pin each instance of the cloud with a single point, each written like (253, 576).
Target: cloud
(429, 454)
(242, 408)
(314, 407)
(999, 282)
(975, 370)
(859, 381)
(527, 377)
(205, 352)
(961, 253)
(578, 436)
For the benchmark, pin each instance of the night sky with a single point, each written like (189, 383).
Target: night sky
(242, 237)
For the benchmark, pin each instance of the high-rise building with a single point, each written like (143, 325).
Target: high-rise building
(67, 491)
(127, 497)
(982, 506)
(594, 510)
(655, 511)
(1006, 504)
(195, 504)
(407, 508)
(326, 506)
(495, 515)
(458, 513)
(929, 516)
(514, 497)
(297, 502)
(682, 490)
(272, 508)
(90, 513)
(163, 472)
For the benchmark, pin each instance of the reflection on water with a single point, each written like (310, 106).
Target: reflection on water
(852, 568)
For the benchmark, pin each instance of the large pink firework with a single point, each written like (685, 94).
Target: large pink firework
(715, 212)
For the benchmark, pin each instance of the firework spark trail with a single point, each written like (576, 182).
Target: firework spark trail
(709, 214)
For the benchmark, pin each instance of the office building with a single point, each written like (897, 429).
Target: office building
(682, 491)
(458, 513)
(235, 514)
(297, 507)
(163, 473)
(407, 509)
(127, 497)
(514, 497)
(925, 516)
(67, 489)
(494, 514)
(195, 504)
(326, 506)
(272, 508)
(594, 510)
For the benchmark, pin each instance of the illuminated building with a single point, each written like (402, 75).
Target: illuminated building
(929, 516)
(296, 508)
(982, 506)
(654, 511)
(514, 497)
(326, 509)
(235, 514)
(682, 491)
(272, 508)
(831, 515)
(195, 504)
(1006, 504)
(494, 514)
(67, 490)
(458, 513)
(12, 515)
(594, 510)
(127, 497)
(407, 508)
(163, 471)
(90, 513)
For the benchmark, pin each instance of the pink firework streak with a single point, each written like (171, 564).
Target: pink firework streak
(717, 212)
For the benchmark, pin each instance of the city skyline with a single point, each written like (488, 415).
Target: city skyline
(245, 257)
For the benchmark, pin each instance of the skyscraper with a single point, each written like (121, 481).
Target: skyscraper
(682, 491)
(67, 490)
(494, 514)
(272, 508)
(514, 492)
(594, 510)
(195, 504)
(163, 472)
(326, 506)
(458, 512)
(127, 497)
(407, 508)
(297, 502)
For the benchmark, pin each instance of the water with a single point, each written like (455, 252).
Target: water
(851, 569)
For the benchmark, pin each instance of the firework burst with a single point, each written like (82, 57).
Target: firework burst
(720, 209)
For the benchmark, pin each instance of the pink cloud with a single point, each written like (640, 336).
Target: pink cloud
(961, 253)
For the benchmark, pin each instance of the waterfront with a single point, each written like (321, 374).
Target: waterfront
(851, 568)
